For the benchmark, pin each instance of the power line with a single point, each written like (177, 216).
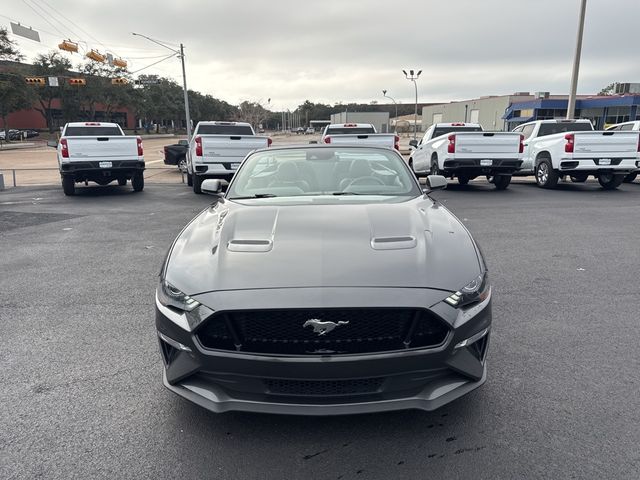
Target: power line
(155, 63)
(52, 15)
(73, 23)
(43, 17)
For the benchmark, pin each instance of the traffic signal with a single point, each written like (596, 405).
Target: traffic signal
(36, 81)
(68, 46)
(96, 56)
(118, 62)
(119, 81)
(77, 81)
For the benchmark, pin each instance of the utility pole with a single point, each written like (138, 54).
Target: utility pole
(571, 106)
(180, 54)
(384, 94)
(413, 77)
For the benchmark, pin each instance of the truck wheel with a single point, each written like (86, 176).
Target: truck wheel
(630, 178)
(463, 179)
(546, 176)
(609, 181)
(182, 165)
(69, 186)
(122, 182)
(189, 179)
(197, 184)
(579, 177)
(501, 182)
(435, 170)
(137, 182)
(412, 169)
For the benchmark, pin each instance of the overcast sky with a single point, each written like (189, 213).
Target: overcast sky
(350, 50)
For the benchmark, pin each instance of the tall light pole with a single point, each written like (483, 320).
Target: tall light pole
(384, 94)
(571, 106)
(413, 77)
(180, 54)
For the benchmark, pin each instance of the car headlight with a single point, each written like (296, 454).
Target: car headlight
(170, 296)
(475, 291)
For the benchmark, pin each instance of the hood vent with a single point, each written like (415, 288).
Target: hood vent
(393, 243)
(250, 245)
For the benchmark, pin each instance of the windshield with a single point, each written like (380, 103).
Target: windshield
(313, 171)
(445, 130)
(350, 130)
(225, 130)
(560, 127)
(93, 132)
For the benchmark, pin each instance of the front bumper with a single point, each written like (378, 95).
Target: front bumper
(423, 379)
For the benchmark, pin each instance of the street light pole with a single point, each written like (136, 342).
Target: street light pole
(571, 106)
(413, 77)
(180, 54)
(384, 94)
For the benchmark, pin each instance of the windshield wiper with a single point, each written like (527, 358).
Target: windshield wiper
(345, 193)
(257, 195)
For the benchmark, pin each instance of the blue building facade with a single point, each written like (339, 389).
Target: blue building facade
(602, 111)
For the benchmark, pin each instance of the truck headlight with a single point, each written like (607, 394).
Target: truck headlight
(475, 291)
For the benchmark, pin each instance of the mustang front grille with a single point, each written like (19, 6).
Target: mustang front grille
(324, 388)
(322, 331)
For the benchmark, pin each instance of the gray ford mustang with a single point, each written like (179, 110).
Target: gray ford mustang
(324, 281)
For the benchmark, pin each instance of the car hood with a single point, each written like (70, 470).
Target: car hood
(413, 244)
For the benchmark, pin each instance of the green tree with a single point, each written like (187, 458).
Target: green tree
(15, 95)
(53, 64)
(608, 90)
(8, 49)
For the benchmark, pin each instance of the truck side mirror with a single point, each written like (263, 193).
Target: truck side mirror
(183, 142)
(413, 143)
(52, 143)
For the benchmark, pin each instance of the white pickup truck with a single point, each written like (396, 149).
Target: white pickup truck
(358, 134)
(216, 150)
(98, 152)
(626, 127)
(466, 151)
(557, 148)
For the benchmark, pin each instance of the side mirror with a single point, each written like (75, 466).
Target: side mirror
(435, 182)
(52, 143)
(183, 142)
(413, 143)
(211, 186)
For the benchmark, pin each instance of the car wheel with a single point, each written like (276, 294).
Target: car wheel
(579, 177)
(182, 165)
(122, 182)
(501, 182)
(630, 178)
(546, 176)
(463, 179)
(137, 182)
(68, 186)
(197, 184)
(435, 170)
(609, 181)
(189, 179)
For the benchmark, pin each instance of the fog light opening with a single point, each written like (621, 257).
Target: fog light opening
(174, 343)
(472, 339)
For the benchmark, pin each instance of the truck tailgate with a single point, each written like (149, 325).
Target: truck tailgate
(230, 148)
(487, 144)
(371, 139)
(111, 148)
(605, 143)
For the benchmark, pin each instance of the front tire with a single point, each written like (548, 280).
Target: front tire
(137, 182)
(197, 184)
(435, 170)
(609, 181)
(501, 182)
(546, 176)
(122, 182)
(630, 178)
(69, 186)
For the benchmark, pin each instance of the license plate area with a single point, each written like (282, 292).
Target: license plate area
(105, 164)
(604, 161)
(486, 163)
(234, 166)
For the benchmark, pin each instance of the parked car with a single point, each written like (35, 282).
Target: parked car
(13, 134)
(98, 152)
(310, 131)
(324, 282)
(176, 154)
(299, 130)
(32, 133)
(358, 134)
(217, 149)
(556, 148)
(625, 127)
(466, 151)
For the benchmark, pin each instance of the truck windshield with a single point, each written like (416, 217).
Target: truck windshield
(93, 132)
(350, 131)
(560, 127)
(225, 130)
(446, 130)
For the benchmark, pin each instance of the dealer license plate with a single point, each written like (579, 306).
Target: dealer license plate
(486, 163)
(605, 161)
(234, 166)
(105, 164)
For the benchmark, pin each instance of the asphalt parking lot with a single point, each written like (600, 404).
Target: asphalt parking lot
(80, 370)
